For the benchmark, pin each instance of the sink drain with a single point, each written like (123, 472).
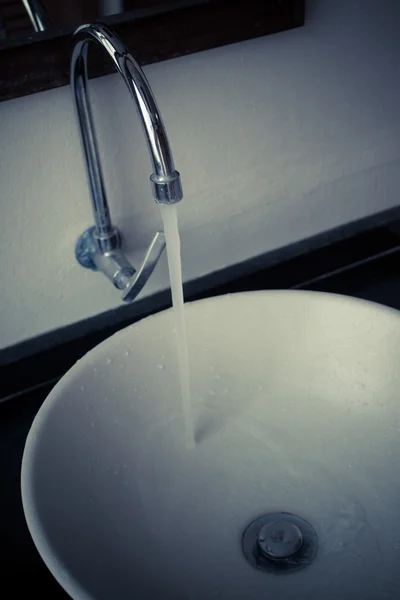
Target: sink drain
(280, 543)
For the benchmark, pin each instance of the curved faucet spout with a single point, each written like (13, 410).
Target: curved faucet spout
(97, 243)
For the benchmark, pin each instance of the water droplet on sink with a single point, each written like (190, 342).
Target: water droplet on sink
(217, 376)
(211, 392)
(92, 424)
(226, 391)
(82, 388)
(116, 421)
(127, 353)
(160, 366)
(115, 471)
(106, 399)
(109, 361)
(125, 466)
(94, 369)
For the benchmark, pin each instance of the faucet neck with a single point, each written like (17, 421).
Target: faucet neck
(165, 180)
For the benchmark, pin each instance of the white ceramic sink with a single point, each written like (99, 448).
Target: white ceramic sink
(297, 409)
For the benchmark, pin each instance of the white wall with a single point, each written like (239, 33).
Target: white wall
(276, 139)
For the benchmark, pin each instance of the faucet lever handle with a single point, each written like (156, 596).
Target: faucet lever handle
(135, 283)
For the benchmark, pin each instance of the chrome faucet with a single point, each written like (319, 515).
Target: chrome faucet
(99, 247)
(37, 15)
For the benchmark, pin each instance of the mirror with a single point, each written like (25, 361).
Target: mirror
(19, 18)
(35, 35)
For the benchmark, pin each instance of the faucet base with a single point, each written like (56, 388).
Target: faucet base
(114, 264)
(85, 249)
(104, 254)
(89, 245)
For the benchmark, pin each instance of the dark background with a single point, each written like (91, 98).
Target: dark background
(32, 62)
(65, 13)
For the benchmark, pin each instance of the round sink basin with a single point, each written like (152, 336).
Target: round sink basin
(296, 401)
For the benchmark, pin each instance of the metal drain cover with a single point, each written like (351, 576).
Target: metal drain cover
(280, 543)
